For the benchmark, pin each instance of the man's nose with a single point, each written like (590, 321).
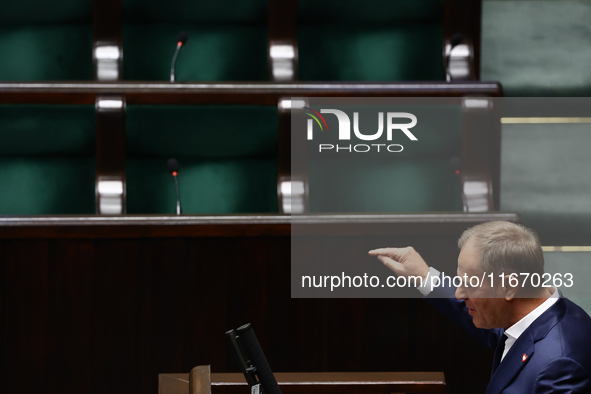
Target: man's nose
(461, 293)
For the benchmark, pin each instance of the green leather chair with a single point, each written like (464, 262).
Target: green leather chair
(47, 159)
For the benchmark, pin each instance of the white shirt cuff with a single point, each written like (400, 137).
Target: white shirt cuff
(427, 287)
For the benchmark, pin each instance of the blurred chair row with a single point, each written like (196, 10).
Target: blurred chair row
(107, 153)
(228, 40)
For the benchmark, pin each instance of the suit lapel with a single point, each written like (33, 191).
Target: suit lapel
(499, 352)
(523, 349)
(519, 354)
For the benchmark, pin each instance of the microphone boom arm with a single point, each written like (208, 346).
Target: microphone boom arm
(176, 54)
(178, 195)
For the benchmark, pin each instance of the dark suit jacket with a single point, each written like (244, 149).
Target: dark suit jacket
(552, 356)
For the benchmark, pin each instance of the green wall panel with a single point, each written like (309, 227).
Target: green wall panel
(546, 177)
(206, 187)
(27, 130)
(578, 264)
(41, 53)
(46, 186)
(214, 52)
(537, 48)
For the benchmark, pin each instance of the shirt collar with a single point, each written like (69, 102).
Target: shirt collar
(518, 328)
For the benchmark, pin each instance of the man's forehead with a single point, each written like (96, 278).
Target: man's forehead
(468, 258)
(461, 263)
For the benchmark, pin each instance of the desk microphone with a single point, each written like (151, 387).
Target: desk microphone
(456, 165)
(173, 166)
(255, 354)
(181, 40)
(249, 370)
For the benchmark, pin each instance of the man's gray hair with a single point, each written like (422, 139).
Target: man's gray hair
(506, 247)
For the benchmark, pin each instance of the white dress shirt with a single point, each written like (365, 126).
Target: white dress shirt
(513, 332)
(425, 287)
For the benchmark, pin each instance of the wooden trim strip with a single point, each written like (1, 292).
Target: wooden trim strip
(264, 93)
(137, 226)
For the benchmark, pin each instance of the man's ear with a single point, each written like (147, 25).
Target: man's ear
(509, 291)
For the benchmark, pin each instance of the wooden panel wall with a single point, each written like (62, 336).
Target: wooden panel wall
(85, 315)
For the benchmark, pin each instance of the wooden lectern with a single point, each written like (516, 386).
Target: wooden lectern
(202, 381)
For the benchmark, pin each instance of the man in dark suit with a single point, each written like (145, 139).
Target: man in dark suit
(542, 342)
